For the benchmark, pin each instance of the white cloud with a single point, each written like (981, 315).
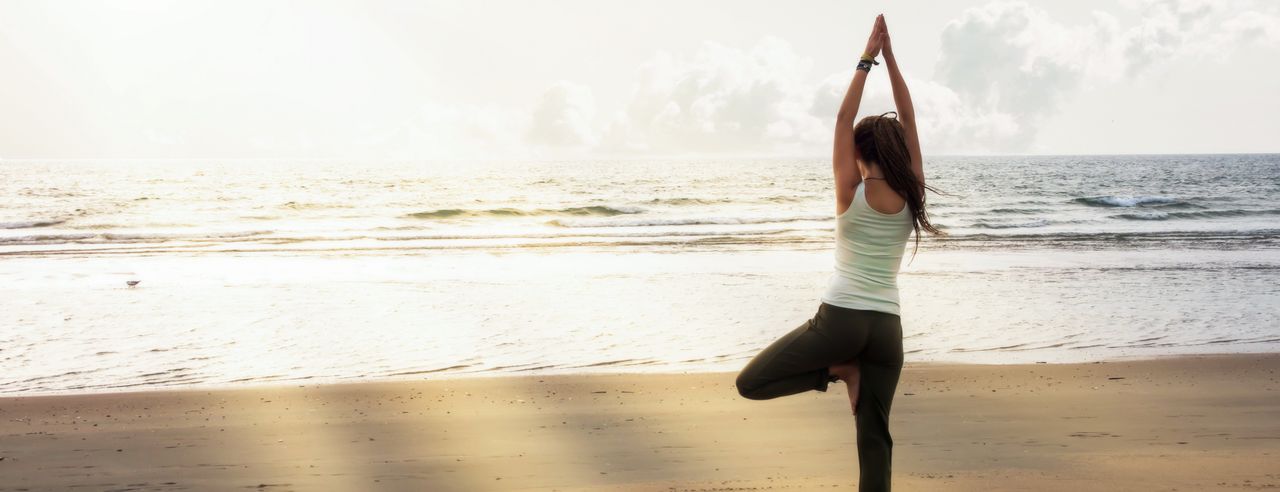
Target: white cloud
(721, 99)
(1012, 65)
(1006, 63)
(563, 117)
(1249, 27)
(455, 131)
(346, 79)
(1004, 69)
(1170, 28)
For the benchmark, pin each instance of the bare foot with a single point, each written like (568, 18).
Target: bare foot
(848, 372)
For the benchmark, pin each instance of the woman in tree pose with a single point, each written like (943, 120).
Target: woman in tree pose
(856, 335)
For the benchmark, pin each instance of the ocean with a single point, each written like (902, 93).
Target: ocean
(255, 272)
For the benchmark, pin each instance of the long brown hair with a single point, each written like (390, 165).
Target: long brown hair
(882, 140)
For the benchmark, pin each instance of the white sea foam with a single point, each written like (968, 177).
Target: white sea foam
(1011, 225)
(680, 221)
(29, 224)
(1126, 201)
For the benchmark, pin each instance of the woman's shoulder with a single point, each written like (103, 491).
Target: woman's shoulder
(884, 200)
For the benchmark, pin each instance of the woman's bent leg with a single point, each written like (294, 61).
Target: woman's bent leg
(798, 361)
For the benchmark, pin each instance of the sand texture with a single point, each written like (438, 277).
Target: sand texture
(1185, 423)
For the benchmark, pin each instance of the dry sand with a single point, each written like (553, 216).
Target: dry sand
(1187, 423)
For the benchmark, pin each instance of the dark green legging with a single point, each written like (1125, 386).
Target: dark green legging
(798, 362)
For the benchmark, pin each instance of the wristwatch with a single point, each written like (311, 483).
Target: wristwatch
(864, 65)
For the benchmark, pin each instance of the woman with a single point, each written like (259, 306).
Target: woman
(856, 335)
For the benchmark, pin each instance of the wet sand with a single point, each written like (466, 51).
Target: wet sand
(1185, 423)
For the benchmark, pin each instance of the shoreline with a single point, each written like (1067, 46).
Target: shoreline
(1187, 422)
(441, 377)
(215, 320)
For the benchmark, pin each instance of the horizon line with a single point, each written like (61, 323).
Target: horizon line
(588, 159)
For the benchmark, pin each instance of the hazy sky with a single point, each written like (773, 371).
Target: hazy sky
(592, 78)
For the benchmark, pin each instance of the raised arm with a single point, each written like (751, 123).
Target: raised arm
(902, 99)
(842, 156)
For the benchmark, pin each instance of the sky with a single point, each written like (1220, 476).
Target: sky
(585, 79)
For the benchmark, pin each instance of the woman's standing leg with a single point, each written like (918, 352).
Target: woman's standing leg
(881, 366)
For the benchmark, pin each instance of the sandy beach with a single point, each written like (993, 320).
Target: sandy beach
(1185, 423)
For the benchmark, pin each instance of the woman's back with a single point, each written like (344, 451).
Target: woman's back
(856, 335)
(869, 249)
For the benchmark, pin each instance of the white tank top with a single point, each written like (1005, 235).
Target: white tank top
(869, 248)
